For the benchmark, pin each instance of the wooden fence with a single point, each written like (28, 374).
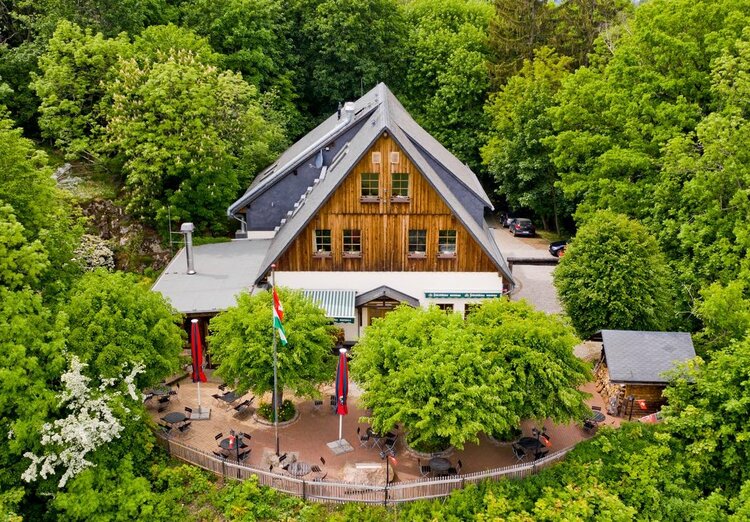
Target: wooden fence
(331, 491)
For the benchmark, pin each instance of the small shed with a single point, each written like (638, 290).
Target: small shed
(630, 371)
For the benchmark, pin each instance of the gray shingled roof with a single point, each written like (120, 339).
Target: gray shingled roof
(388, 115)
(386, 291)
(217, 280)
(642, 357)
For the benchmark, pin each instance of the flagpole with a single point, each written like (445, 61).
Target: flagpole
(341, 417)
(275, 373)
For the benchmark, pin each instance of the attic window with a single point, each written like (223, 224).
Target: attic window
(376, 158)
(395, 157)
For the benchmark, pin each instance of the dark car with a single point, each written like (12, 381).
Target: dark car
(522, 227)
(508, 220)
(557, 248)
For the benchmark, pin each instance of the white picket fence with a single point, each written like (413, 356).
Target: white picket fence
(331, 491)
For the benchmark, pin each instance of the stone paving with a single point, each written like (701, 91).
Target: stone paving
(308, 436)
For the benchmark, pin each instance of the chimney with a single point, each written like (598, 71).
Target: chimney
(187, 230)
(339, 111)
(349, 111)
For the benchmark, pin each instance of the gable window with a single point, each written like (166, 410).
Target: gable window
(370, 186)
(323, 242)
(352, 243)
(417, 243)
(399, 186)
(447, 243)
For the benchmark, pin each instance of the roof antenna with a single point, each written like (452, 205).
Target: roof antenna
(339, 111)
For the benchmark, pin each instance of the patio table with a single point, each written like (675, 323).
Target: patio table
(230, 397)
(299, 468)
(530, 443)
(174, 417)
(230, 443)
(597, 416)
(439, 465)
(159, 392)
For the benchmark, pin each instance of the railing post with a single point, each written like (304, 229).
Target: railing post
(304, 490)
(385, 495)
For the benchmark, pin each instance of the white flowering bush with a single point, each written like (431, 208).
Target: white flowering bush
(90, 424)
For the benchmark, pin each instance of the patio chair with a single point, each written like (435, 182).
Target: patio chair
(320, 479)
(166, 429)
(164, 399)
(424, 470)
(317, 404)
(518, 452)
(218, 437)
(217, 398)
(223, 386)
(244, 454)
(185, 427)
(282, 459)
(189, 411)
(390, 443)
(219, 454)
(540, 454)
(590, 425)
(333, 403)
(322, 461)
(457, 469)
(363, 439)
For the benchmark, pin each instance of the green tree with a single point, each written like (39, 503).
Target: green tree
(446, 76)
(115, 321)
(344, 48)
(517, 28)
(517, 154)
(241, 339)
(71, 85)
(189, 135)
(614, 276)
(26, 185)
(446, 381)
(707, 417)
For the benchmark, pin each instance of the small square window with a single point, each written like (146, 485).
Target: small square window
(470, 308)
(323, 242)
(370, 185)
(352, 243)
(376, 158)
(417, 242)
(447, 242)
(400, 185)
(395, 157)
(445, 307)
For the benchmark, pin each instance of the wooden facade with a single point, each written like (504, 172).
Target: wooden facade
(647, 398)
(384, 222)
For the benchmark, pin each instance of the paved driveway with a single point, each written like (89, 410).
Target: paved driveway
(533, 283)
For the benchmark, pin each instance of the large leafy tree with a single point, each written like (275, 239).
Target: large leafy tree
(114, 321)
(446, 381)
(71, 85)
(26, 185)
(516, 154)
(344, 48)
(614, 276)
(446, 76)
(241, 339)
(190, 136)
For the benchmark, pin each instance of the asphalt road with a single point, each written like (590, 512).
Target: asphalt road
(533, 283)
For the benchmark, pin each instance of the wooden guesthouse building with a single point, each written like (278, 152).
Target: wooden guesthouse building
(365, 212)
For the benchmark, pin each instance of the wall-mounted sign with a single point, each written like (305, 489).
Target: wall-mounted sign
(462, 295)
(347, 320)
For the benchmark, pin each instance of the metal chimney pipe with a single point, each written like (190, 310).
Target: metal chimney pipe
(348, 111)
(187, 230)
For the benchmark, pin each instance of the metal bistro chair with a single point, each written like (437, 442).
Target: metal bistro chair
(518, 452)
(457, 469)
(363, 439)
(185, 427)
(424, 470)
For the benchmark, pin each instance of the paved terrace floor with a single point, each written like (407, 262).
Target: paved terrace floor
(309, 435)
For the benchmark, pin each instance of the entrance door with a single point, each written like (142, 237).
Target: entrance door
(374, 313)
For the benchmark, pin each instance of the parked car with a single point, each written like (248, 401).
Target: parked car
(557, 248)
(522, 227)
(507, 220)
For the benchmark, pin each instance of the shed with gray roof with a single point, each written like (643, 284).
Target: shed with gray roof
(635, 364)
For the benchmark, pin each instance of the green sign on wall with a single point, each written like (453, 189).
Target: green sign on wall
(462, 295)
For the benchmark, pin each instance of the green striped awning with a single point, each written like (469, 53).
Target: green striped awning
(338, 304)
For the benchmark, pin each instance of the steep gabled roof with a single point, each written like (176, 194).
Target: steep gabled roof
(376, 112)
